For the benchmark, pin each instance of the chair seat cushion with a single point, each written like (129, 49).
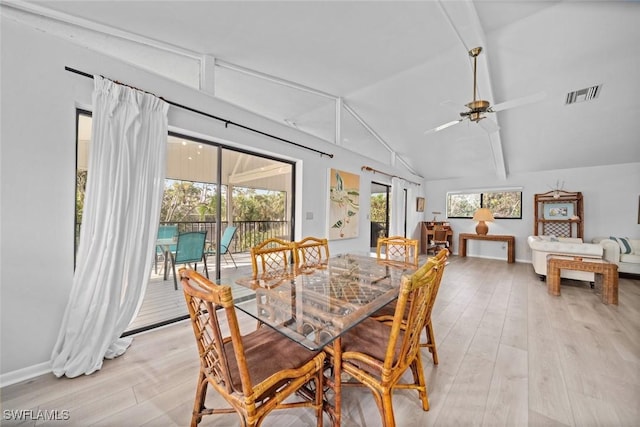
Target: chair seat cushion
(267, 352)
(368, 337)
(387, 310)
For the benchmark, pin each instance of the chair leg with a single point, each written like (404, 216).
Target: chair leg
(206, 269)
(319, 397)
(198, 404)
(420, 382)
(234, 261)
(388, 419)
(431, 342)
(173, 266)
(167, 254)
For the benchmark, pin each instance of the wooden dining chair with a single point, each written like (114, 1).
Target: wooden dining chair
(310, 252)
(386, 313)
(272, 258)
(430, 342)
(398, 248)
(377, 354)
(254, 373)
(439, 240)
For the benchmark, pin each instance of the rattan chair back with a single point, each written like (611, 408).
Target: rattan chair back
(430, 342)
(311, 253)
(440, 237)
(272, 258)
(398, 248)
(386, 313)
(377, 354)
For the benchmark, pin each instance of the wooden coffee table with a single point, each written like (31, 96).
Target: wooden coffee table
(606, 275)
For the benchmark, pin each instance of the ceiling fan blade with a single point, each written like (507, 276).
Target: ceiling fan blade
(518, 102)
(443, 126)
(489, 125)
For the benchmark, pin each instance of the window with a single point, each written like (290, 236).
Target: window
(207, 187)
(503, 204)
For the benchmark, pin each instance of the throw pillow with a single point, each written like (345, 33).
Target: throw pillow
(624, 243)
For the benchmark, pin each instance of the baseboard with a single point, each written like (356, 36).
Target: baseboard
(498, 258)
(24, 374)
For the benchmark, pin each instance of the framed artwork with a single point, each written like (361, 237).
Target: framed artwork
(420, 204)
(344, 204)
(558, 210)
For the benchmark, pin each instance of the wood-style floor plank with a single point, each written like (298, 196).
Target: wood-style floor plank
(510, 355)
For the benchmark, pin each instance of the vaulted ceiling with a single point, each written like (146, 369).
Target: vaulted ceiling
(400, 69)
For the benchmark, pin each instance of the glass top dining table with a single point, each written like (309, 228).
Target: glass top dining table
(318, 305)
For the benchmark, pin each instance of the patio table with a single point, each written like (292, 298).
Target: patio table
(165, 244)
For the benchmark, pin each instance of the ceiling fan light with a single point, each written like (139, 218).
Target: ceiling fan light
(478, 105)
(476, 117)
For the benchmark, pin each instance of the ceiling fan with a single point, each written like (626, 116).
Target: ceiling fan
(477, 108)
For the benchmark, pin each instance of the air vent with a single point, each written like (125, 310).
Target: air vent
(581, 95)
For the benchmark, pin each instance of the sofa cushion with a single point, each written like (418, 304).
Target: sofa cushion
(630, 258)
(564, 245)
(625, 244)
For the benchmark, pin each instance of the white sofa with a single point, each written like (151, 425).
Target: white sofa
(541, 246)
(627, 263)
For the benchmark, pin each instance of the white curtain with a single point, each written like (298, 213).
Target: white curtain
(396, 227)
(123, 196)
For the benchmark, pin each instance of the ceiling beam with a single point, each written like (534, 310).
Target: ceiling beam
(464, 20)
(259, 173)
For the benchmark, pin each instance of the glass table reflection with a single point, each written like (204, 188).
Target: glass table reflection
(317, 305)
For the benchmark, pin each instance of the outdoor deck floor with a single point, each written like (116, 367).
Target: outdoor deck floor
(162, 303)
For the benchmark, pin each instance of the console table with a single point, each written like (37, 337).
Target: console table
(606, 275)
(511, 243)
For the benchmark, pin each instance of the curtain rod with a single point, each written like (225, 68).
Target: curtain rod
(211, 116)
(370, 169)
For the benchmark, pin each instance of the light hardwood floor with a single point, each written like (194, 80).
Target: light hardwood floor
(510, 355)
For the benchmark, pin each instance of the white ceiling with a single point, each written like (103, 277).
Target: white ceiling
(403, 67)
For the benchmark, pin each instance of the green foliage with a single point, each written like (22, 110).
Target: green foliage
(250, 204)
(180, 201)
(462, 205)
(502, 204)
(81, 185)
(379, 208)
(196, 201)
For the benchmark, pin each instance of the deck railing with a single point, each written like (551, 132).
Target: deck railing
(249, 233)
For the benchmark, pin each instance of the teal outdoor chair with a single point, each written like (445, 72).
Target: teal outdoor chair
(165, 232)
(189, 249)
(225, 244)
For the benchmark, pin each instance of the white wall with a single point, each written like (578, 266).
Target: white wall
(37, 156)
(610, 204)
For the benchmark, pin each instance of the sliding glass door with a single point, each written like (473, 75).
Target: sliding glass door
(380, 212)
(208, 188)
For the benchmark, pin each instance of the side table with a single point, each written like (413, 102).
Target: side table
(606, 275)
